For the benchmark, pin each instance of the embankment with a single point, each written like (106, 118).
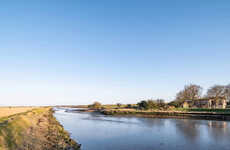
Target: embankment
(36, 129)
(169, 114)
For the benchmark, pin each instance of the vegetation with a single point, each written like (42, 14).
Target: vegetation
(190, 92)
(219, 91)
(203, 110)
(129, 106)
(34, 129)
(8, 111)
(194, 92)
(119, 105)
(152, 104)
(95, 105)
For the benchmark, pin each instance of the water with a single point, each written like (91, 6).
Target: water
(98, 132)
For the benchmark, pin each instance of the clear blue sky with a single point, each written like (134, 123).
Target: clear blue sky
(80, 51)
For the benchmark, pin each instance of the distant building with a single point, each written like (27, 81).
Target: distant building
(212, 102)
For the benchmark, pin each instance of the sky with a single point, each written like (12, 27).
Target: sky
(81, 51)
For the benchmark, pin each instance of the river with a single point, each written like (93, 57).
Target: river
(99, 132)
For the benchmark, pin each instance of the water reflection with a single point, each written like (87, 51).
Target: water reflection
(188, 128)
(99, 132)
(150, 122)
(195, 129)
(218, 130)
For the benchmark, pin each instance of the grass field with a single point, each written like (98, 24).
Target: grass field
(8, 111)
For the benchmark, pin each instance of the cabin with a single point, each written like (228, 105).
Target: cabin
(211, 102)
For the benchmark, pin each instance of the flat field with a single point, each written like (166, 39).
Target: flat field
(8, 111)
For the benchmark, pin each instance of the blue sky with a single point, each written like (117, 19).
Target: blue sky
(77, 52)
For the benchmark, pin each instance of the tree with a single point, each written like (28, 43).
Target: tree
(96, 105)
(119, 104)
(191, 92)
(160, 102)
(151, 104)
(129, 106)
(227, 92)
(216, 91)
(219, 91)
(174, 103)
(142, 105)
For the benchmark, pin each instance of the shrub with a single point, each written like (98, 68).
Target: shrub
(96, 105)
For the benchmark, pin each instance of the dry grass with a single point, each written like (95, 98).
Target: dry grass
(8, 111)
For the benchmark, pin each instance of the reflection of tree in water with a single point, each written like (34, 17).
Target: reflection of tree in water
(189, 128)
(219, 130)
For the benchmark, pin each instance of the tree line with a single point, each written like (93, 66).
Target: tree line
(193, 92)
(190, 92)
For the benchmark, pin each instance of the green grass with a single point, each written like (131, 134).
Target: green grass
(202, 110)
(149, 112)
(11, 130)
(15, 131)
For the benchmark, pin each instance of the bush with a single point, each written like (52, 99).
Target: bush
(142, 105)
(152, 104)
(129, 106)
(119, 104)
(96, 105)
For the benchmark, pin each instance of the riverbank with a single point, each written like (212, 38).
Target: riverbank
(206, 115)
(35, 129)
(180, 113)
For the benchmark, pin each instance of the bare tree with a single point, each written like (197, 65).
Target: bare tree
(191, 92)
(219, 91)
(216, 91)
(227, 91)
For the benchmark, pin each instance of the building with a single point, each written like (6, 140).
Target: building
(213, 102)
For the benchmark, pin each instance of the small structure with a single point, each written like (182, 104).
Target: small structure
(211, 102)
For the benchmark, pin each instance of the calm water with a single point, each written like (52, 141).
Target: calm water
(98, 132)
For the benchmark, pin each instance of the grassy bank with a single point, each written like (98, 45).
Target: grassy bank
(34, 129)
(226, 111)
(210, 114)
